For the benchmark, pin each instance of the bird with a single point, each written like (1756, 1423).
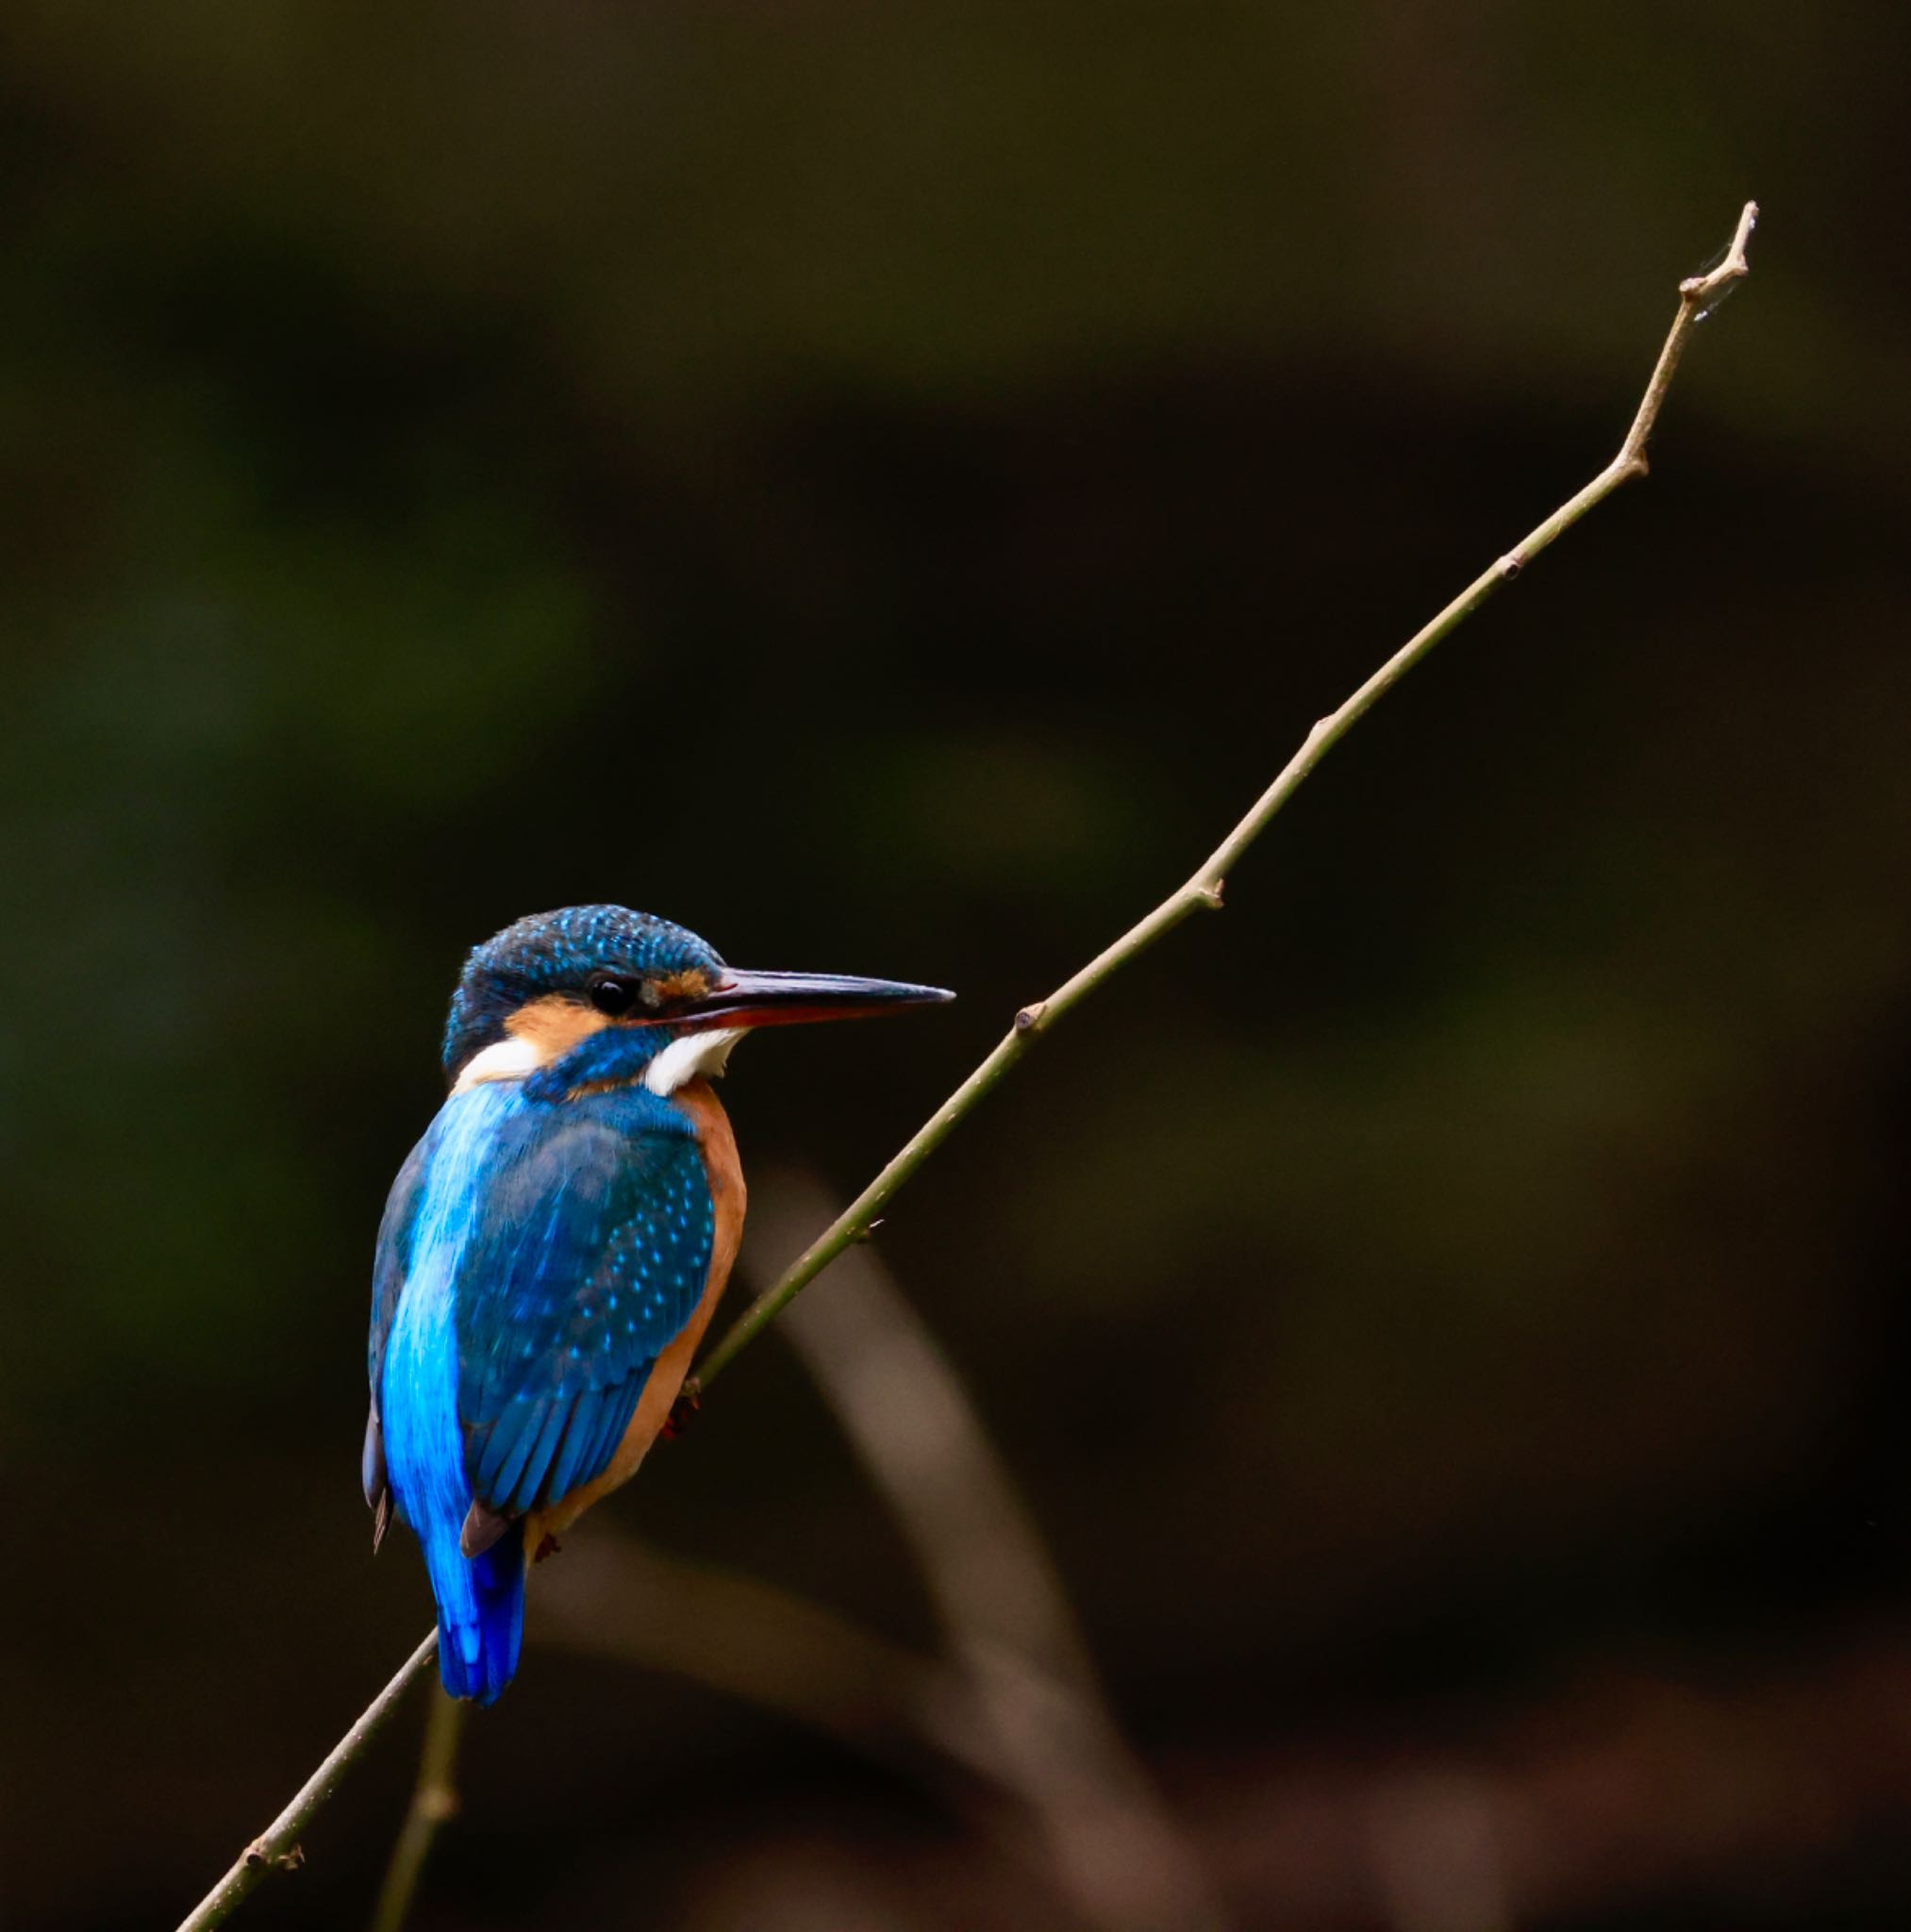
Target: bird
(555, 1245)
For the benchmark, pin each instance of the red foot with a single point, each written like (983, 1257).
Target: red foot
(689, 1400)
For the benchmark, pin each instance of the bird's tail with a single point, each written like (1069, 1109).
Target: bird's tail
(480, 1614)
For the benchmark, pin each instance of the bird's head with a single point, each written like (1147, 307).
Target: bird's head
(609, 994)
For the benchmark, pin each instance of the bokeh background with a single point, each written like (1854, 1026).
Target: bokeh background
(885, 486)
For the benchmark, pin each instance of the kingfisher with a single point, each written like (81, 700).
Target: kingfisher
(553, 1249)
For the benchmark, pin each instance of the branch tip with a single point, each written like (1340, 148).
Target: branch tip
(1694, 289)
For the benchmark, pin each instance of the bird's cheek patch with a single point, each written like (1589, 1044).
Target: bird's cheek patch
(553, 1026)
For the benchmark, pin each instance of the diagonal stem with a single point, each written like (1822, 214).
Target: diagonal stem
(1203, 890)
(277, 1848)
(1698, 295)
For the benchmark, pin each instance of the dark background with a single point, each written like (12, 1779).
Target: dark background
(886, 487)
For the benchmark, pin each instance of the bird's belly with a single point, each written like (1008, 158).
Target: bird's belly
(725, 1177)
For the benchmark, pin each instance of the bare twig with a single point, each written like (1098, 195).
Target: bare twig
(1202, 891)
(1109, 1841)
(277, 1848)
(434, 1799)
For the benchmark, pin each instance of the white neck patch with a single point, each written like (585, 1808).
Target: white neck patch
(503, 1059)
(695, 1053)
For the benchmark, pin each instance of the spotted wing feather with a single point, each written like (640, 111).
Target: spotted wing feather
(596, 1252)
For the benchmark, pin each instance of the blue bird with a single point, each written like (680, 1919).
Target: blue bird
(554, 1247)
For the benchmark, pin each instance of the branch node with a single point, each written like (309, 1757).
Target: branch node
(1700, 293)
(1208, 892)
(1510, 566)
(1695, 287)
(1030, 1017)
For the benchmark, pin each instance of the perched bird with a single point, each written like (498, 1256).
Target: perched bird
(553, 1250)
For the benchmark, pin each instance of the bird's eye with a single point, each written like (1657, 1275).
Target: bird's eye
(609, 994)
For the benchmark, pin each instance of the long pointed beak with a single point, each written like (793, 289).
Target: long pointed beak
(785, 999)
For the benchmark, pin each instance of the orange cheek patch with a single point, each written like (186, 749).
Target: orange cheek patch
(692, 983)
(553, 1025)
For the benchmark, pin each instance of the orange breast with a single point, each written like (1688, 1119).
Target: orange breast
(725, 1174)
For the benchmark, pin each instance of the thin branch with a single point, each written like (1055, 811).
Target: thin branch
(434, 1799)
(277, 1848)
(1203, 891)
(1110, 1843)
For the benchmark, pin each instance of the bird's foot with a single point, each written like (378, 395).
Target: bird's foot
(690, 1399)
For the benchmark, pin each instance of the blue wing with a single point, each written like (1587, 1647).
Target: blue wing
(591, 1256)
(586, 1253)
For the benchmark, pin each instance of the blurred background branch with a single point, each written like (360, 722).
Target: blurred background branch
(616, 1597)
(1008, 1625)
(1564, 1805)
(434, 1802)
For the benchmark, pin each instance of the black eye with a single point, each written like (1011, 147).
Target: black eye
(609, 994)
